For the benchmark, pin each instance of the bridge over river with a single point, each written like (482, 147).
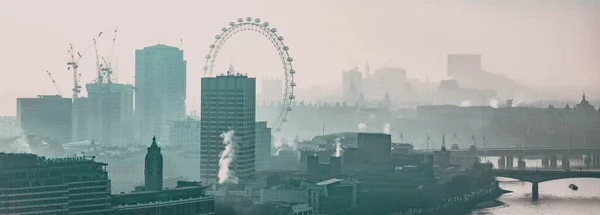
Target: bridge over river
(539, 176)
(529, 151)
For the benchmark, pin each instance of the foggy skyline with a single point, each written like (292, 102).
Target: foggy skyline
(536, 43)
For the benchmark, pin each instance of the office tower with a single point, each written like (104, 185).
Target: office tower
(186, 134)
(160, 83)
(463, 63)
(46, 117)
(36, 185)
(263, 146)
(109, 113)
(228, 103)
(153, 171)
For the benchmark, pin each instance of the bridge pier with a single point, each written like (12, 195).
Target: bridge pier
(501, 162)
(534, 191)
(587, 160)
(566, 164)
(553, 161)
(595, 160)
(509, 162)
(521, 163)
(546, 161)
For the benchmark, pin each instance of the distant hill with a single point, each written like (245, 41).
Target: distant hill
(504, 87)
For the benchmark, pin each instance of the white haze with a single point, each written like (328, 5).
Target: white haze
(362, 127)
(22, 145)
(494, 103)
(386, 128)
(225, 174)
(466, 103)
(338, 148)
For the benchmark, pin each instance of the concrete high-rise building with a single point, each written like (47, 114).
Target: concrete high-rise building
(263, 146)
(153, 171)
(109, 113)
(228, 103)
(46, 117)
(160, 90)
(463, 63)
(186, 134)
(36, 185)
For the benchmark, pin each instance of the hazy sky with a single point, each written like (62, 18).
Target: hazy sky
(549, 43)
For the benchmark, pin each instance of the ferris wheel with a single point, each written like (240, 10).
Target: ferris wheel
(263, 28)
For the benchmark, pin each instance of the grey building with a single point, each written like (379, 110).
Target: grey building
(160, 90)
(228, 103)
(186, 134)
(263, 146)
(109, 113)
(46, 117)
(36, 185)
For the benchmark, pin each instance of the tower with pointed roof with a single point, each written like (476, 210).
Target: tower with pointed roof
(153, 171)
(584, 105)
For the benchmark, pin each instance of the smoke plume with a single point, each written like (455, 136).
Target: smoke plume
(386, 128)
(338, 148)
(494, 103)
(284, 143)
(466, 103)
(516, 103)
(362, 127)
(227, 156)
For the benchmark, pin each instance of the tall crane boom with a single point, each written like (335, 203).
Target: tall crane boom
(54, 82)
(73, 64)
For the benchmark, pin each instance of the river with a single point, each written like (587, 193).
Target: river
(555, 198)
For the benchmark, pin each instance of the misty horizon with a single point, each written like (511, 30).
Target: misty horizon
(543, 45)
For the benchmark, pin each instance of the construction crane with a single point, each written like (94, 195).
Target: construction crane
(107, 68)
(54, 82)
(73, 65)
(387, 64)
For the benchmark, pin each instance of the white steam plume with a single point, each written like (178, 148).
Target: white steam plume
(362, 127)
(386, 128)
(338, 148)
(516, 103)
(466, 103)
(494, 103)
(284, 143)
(227, 156)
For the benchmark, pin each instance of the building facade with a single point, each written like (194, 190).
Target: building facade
(228, 103)
(108, 113)
(46, 117)
(35, 185)
(263, 146)
(186, 134)
(160, 90)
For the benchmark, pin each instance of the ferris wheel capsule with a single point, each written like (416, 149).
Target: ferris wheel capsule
(266, 24)
(292, 71)
(292, 96)
(284, 120)
(207, 56)
(249, 19)
(293, 84)
(224, 29)
(257, 20)
(280, 38)
(278, 129)
(212, 46)
(240, 20)
(217, 37)
(286, 48)
(273, 30)
(231, 23)
(205, 68)
(290, 59)
(289, 109)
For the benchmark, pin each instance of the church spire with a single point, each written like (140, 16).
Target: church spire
(153, 145)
